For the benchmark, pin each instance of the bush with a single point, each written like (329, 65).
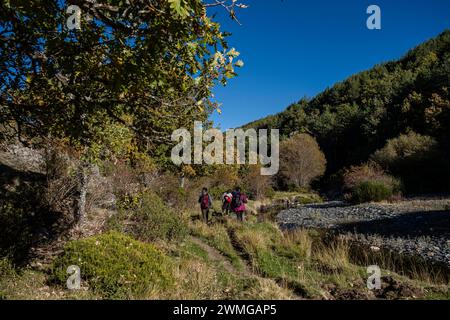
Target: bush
(6, 268)
(124, 179)
(7, 275)
(217, 192)
(406, 147)
(147, 218)
(168, 187)
(371, 191)
(416, 159)
(115, 266)
(370, 173)
(369, 182)
(25, 218)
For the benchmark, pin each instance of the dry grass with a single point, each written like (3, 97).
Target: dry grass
(268, 289)
(335, 255)
(414, 268)
(300, 241)
(292, 265)
(195, 280)
(253, 240)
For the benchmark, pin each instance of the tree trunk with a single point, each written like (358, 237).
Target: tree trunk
(83, 184)
(182, 181)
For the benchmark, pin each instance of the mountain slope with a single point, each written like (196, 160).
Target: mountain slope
(356, 117)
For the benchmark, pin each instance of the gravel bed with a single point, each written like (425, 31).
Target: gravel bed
(414, 227)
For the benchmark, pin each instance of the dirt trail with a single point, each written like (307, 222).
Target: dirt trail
(216, 256)
(237, 246)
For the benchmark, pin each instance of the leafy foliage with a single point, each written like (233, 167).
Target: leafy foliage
(415, 153)
(369, 172)
(27, 216)
(371, 191)
(369, 183)
(147, 218)
(301, 160)
(147, 67)
(405, 146)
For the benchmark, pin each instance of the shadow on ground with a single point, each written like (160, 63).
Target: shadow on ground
(25, 219)
(407, 225)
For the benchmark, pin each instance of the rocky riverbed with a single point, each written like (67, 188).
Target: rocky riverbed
(414, 227)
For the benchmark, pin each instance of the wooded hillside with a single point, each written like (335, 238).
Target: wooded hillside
(363, 112)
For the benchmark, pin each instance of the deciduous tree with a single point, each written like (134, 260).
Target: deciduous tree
(301, 160)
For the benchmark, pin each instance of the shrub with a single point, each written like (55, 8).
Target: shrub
(406, 147)
(7, 275)
(371, 191)
(124, 179)
(6, 268)
(416, 159)
(168, 186)
(147, 218)
(216, 192)
(25, 218)
(370, 171)
(369, 178)
(116, 266)
(369, 182)
(226, 176)
(301, 161)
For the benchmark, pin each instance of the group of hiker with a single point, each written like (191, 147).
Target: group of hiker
(232, 202)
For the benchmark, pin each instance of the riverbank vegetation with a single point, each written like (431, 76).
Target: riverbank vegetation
(226, 260)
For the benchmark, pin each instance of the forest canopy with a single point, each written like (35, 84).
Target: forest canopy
(145, 68)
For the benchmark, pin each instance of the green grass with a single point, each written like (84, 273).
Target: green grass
(281, 266)
(190, 249)
(27, 284)
(301, 262)
(199, 276)
(217, 237)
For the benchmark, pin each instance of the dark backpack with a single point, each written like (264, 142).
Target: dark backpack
(237, 201)
(205, 202)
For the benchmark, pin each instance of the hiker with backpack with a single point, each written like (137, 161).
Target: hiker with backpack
(206, 202)
(238, 204)
(227, 197)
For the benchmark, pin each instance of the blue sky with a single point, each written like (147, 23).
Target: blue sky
(296, 48)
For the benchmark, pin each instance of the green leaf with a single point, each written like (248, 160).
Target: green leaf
(179, 7)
